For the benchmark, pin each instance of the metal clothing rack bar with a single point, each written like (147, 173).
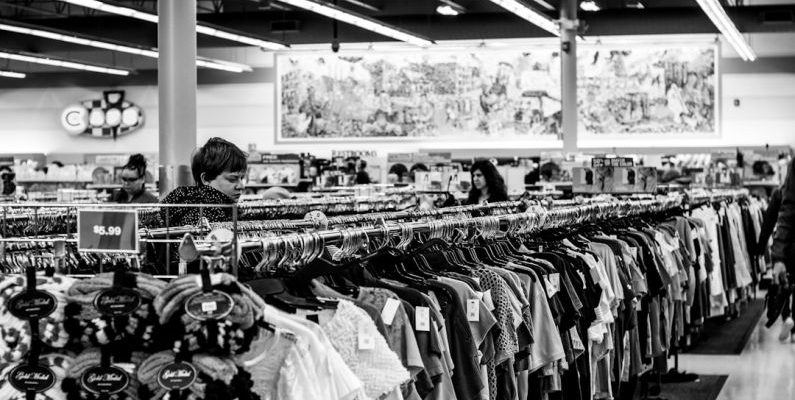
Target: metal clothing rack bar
(302, 224)
(533, 220)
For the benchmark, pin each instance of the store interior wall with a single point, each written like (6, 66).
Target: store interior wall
(756, 109)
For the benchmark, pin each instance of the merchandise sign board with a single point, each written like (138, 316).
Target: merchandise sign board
(612, 162)
(107, 231)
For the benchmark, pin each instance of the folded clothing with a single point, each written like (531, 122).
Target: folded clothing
(138, 330)
(15, 334)
(217, 378)
(229, 336)
(58, 363)
(92, 357)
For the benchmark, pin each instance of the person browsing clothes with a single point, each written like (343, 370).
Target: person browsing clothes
(219, 171)
(487, 184)
(133, 183)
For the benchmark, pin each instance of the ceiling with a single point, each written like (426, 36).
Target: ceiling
(482, 20)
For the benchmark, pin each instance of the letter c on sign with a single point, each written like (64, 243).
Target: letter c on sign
(75, 119)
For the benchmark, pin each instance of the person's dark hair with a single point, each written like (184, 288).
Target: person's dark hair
(419, 167)
(215, 157)
(497, 189)
(137, 163)
(400, 170)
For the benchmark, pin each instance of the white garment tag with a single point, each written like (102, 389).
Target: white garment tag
(548, 286)
(477, 280)
(473, 310)
(389, 311)
(479, 295)
(637, 305)
(634, 251)
(422, 318)
(366, 341)
(554, 279)
(209, 306)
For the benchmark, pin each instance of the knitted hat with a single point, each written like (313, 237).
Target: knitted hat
(15, 334)
(58, 363)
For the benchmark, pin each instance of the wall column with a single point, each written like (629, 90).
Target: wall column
(176, 78)
(568, 73)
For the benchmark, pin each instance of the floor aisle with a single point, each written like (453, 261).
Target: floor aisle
(764, 371)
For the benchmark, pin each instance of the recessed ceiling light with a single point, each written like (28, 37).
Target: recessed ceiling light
(450, 8)
(589, 5)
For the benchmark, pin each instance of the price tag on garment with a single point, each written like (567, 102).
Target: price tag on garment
(554, 279)
(477, 280)
(422, 316)
(389, 311)
(548, 286)
(473, 310)
(634, 251)
(107, 231)
(366, 340)
(213, 305)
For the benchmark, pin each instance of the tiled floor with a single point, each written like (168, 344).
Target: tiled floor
(764, 371)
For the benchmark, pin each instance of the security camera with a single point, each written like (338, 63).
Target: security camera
(335, 46)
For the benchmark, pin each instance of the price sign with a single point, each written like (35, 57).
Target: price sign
(107, 231)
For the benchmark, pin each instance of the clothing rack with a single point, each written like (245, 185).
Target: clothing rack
(319, 221)
(305, 247)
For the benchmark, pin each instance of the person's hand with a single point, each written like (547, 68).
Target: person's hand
(780, 273)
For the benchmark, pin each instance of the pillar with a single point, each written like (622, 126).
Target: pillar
(568, 73)
(176, 79)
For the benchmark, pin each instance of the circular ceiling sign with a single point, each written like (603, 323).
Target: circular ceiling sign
(108, 117)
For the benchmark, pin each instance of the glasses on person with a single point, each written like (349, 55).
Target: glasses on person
(129, 180)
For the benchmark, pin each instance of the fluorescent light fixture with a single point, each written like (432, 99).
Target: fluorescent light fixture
(529, 14)
(718, 15)
(360, 21)
(59, 62)
(201, 27)
(26, 29)
(12, 74)
(589, 5)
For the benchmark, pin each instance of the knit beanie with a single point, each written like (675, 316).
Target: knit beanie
(58, 363)
(15, 334)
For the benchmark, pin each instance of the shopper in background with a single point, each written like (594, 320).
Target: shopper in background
(417, 167)
(397, 173)
(362, 177)
(133, 183)
(219, 171)
(783, 249)
(487, 184)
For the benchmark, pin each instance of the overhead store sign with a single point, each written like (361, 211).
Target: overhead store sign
(109, 117)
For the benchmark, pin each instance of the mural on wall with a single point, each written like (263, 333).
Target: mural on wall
(468, 95)
(108, 117)
(648, 90)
